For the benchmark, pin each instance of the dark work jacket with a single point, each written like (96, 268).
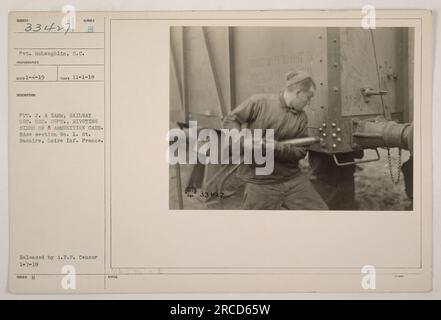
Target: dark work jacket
(269, 111)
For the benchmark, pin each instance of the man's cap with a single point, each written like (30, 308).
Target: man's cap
(294, 77)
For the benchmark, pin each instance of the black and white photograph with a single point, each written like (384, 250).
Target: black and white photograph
(338, 102)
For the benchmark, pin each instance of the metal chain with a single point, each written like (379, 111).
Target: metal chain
(398, 168)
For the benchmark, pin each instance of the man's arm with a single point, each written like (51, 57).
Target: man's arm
(290, 153)
(245, 113)
(241, 117)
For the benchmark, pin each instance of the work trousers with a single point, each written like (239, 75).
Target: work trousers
(295, 194)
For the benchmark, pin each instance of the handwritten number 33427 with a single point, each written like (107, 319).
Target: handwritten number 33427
(38, 27)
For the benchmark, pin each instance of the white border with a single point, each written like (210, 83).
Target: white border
(121, 5)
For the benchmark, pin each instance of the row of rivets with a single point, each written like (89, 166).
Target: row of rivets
(334, 135)
(335, 89)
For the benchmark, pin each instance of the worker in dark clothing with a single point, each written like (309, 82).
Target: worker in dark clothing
(287, 187)
(335, 184)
